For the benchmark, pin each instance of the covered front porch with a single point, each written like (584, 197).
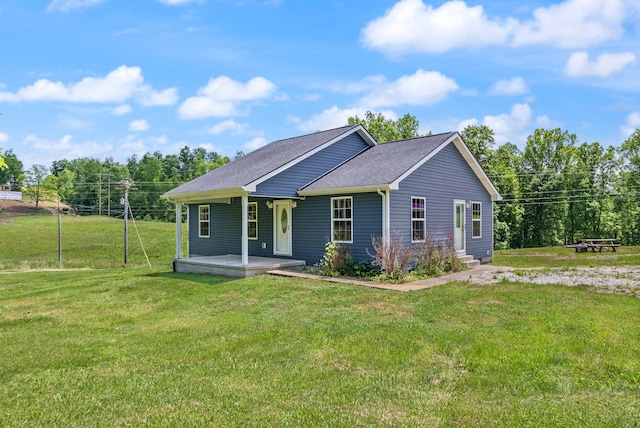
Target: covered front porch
(231, 265)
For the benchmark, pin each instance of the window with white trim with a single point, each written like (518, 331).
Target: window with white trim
(252, 220)
(203, 220)
(342, 219)
(418, 219)
(476, 219)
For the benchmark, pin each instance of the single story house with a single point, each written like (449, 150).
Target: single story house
(280, 204)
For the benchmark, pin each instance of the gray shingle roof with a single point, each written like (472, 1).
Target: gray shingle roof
(258, 163)
(381, 164)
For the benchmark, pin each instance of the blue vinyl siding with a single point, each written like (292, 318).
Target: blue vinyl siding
(441, 180)
(312, 226)
(288, 182)
(225, 230)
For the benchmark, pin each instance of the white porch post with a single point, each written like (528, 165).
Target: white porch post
(178, 230)
(245, 230)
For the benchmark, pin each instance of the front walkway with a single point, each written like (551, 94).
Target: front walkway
(409, 286)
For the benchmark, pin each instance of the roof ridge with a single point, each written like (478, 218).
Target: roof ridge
(423, 136)
(313, 133)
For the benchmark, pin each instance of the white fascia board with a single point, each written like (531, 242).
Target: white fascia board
(206, 196)
(359, 129)
(344, 190)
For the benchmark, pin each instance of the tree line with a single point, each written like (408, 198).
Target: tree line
(555, 190)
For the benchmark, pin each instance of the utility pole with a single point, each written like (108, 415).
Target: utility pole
(127, 185)
(59, 231)
(108, 193)
(99, 194)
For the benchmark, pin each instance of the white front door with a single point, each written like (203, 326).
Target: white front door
(282, 228)
(458, 226)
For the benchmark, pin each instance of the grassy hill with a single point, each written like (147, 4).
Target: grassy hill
(31, 242)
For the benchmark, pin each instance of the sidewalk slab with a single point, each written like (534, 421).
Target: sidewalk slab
(466, 275)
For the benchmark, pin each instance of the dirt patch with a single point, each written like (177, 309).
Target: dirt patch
(21, 208)
(616, 280)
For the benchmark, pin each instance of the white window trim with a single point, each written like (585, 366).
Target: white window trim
(255, 204)
(342, 219)
(200, 221)
(474, 220)
(424, 219)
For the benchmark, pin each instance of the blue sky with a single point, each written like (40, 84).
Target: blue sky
(101, 78)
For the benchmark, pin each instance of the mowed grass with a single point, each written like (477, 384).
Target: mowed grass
(131, 347)
(144, 346)
(566, 257)
(31, 242)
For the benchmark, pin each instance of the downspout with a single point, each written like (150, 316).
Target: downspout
(384, 216)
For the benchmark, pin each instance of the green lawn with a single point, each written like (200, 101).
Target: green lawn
(138, 346)
(566, 257)
(31, 242)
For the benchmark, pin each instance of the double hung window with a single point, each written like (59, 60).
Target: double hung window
(418, 219)
(476, 219)
(203, 220)
(252, 220)
(342, 219)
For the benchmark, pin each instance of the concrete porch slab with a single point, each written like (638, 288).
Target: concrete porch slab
(231, 265)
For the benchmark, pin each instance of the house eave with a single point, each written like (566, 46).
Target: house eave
(345, 190)
(207, 195)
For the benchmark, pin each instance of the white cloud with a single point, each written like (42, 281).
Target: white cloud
(44, 151)
(68, 5)
(573, 24)
(222, 97)
(139, 125)
(514, 86)
(255, 143)
(412, 26)
(118, 86)
(333, 118)
(140, 146)
(149, 97)
(121, 110)
(632, 124)
(604, 65)
(3, 138)
(509, 127)
(421, 88)
(228, 126)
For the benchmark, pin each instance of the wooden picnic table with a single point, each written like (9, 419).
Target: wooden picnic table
(598, 243)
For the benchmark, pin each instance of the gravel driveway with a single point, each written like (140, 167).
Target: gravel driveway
(618, 280)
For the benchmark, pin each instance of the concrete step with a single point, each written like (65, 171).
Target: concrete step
(469, 261)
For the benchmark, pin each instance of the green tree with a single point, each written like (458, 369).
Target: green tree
(627, 190)
(384, 130)
(34, 183)
(545, 165)
(13, 173)
(480, 141)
